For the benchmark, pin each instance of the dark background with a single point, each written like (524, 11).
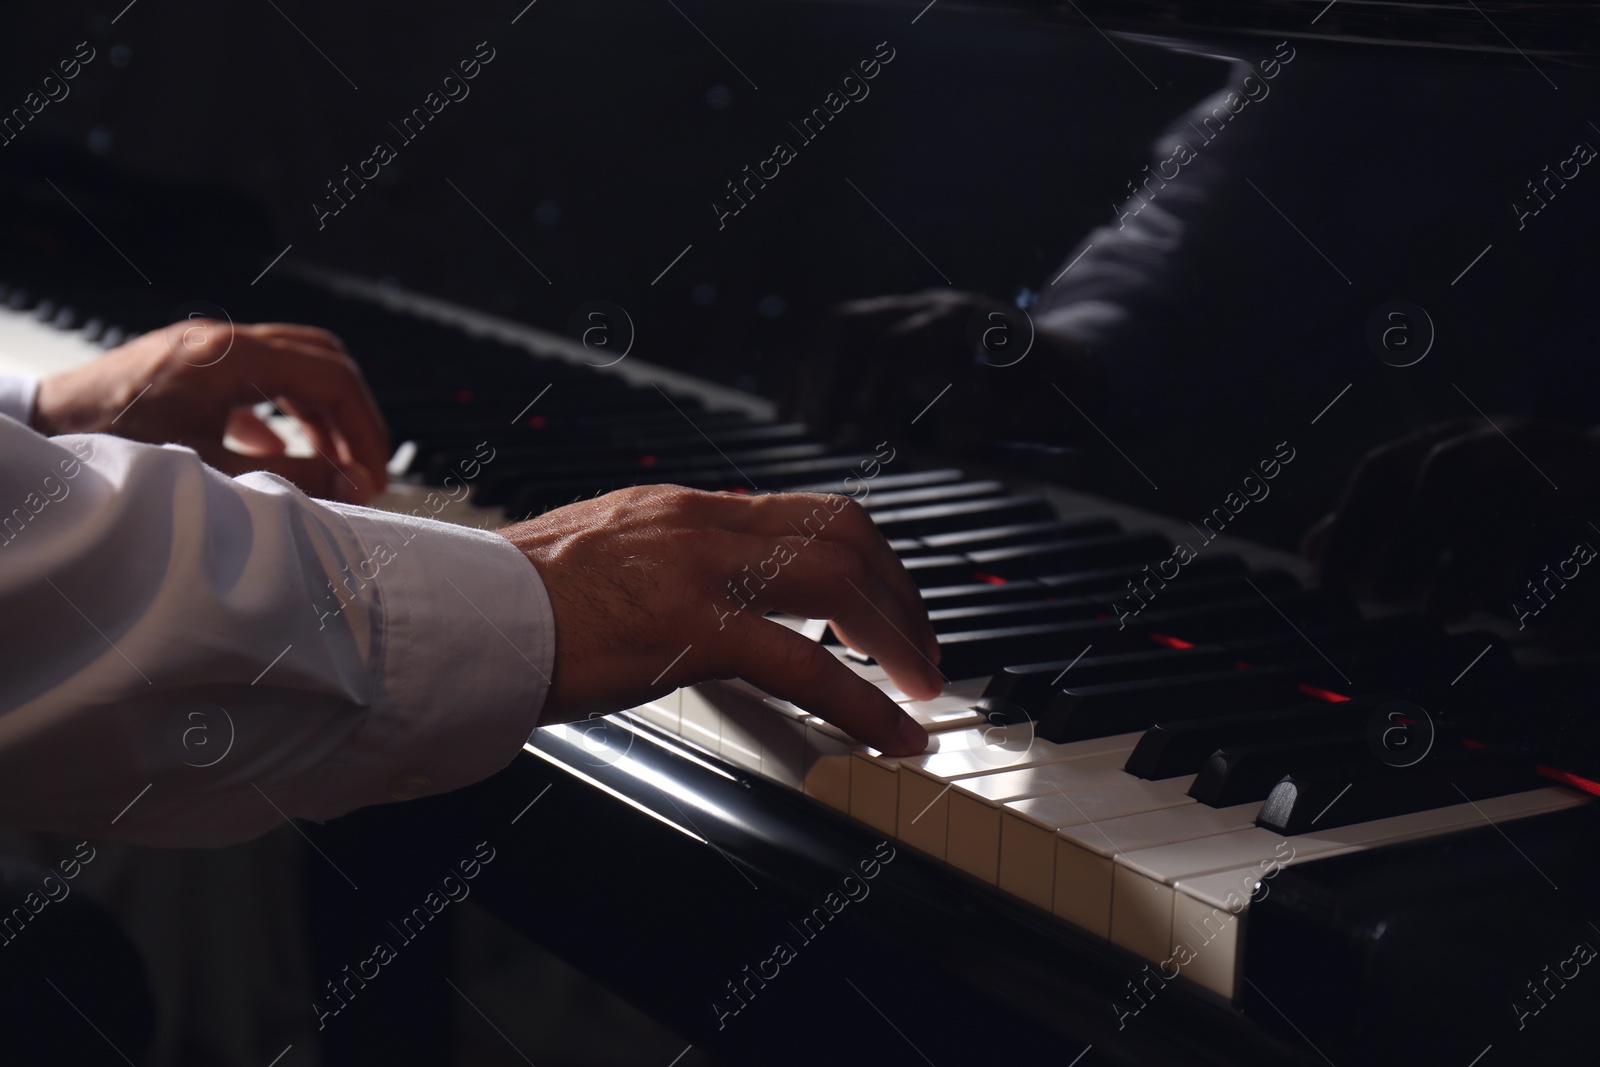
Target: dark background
(598, 138)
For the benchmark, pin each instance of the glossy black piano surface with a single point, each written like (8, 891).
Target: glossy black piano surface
(1405, 168)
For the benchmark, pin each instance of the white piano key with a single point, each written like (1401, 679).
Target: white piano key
(1144, 881)
(870, 672)
(664, 712)
(704, 707)
(972, 840)
(874, 790)
(1207, 919)
(1085, 854)
(700, 713)
(874, 777)
(783, 743)
(744, 716)
(944, 711)
(829, 754)
(925, 781)
(1028, 827)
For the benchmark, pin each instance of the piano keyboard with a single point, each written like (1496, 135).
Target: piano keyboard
(1139, 778)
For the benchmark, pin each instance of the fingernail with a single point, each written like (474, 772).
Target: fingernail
(912, 736)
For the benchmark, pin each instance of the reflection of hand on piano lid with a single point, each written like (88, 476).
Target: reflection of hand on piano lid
(659, 587)
(194, 383)
(883, 360)
(1470, 514)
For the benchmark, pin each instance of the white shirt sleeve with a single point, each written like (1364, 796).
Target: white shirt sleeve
(16, 397)
(190, 659)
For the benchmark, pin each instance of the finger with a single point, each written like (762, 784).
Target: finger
(330, 444)
(840, 520)
(331, 385)
(252, 434)
(798, 670)
(289, 331)
(823, 580)
(316, 428)
(844, 638)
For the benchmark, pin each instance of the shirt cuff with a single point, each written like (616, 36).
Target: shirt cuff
(16, 397)
(464, 651)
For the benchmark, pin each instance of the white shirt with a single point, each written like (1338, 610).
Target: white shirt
(191, 659)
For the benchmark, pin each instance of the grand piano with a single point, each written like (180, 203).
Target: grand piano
(1180, 805)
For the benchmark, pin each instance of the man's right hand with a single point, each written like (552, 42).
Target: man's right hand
(651, 592)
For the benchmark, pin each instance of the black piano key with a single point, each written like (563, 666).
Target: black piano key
(1382, 669)
(500, 480)
(1082, 712)
(976, 593)
(886, 499)
(584, 461)
(1370, 789)
(1549, 709)
(1172, 748)
(1511, 706)
(974, 653)
(1201, 590)
(1020, 534)
(1029, 686)
(529, 451)
(1059, 556)
(1245, 774)
(1015, 613)
(882, 483)
(456, 415)
(944, 518)
(995, 590)
(938, 570)
(1113, 579)
(539, 496)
